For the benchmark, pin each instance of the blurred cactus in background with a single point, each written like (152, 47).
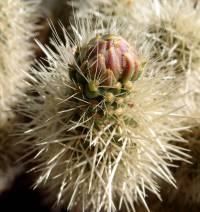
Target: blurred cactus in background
(103, 8)
(174, 29)
(17, 27)
(16, 30)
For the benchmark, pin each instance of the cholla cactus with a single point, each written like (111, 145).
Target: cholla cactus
(100, 132)
(17, 19)
(103, 8)
(174, 29)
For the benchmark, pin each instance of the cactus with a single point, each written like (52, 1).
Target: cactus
(16, 31)
(17, 19)
(100, 143)
(173, 27)
(175, 47)
(103, 8)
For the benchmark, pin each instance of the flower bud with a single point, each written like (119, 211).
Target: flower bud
(107, 60)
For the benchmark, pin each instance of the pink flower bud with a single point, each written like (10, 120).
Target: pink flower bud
(108, 59)
(119, 58)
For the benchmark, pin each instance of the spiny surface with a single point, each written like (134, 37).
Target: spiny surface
(175, 47)
(103, 8)
(173, 28)
(17, 19)
(106, 150)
